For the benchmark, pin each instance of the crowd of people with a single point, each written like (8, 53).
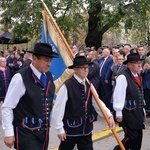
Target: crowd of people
(110, 63)
(124, 76)
(120, 76)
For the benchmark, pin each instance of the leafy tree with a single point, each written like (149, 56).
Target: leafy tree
(110, 13)
(77, 18)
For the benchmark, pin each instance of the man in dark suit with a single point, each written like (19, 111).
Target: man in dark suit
(105, 90)
(75, 50)
(117, 68)
(93, 74)
(145, 73)
(9, 60)
(5, 77)
(17, 62)
(27, 59)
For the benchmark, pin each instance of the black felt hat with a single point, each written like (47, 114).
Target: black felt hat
(133, 57)
(79, 60)
(43, 49)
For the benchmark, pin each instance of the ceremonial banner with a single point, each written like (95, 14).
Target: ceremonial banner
(59, 65)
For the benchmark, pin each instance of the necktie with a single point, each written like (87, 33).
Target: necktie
(138, 81)
(43, 79)
(101, 65)
(118, 68)
(83, 83)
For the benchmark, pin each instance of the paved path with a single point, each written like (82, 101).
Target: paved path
(105, 142)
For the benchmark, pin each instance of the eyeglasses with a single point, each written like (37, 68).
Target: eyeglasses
(83, 67)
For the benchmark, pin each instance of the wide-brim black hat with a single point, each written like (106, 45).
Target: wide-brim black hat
(79, 60)
(133, 57)
(43, 49)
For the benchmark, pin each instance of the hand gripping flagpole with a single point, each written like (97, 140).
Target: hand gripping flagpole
(92, 88)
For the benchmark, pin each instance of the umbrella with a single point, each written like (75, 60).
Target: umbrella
(5, 37)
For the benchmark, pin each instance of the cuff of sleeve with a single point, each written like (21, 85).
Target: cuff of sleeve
(9, 132)
(60, 131)
(118, 113)
(109, 114)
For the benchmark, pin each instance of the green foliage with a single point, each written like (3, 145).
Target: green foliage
(25, 19)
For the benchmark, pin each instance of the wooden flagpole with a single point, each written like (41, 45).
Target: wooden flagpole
(92, 89)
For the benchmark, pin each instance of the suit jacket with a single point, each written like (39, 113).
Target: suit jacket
(116, 71)
(26, 63)
(106, 72)
(146, 79)
(9, 60)
(16, 67)
(4, 82)
(93, 75)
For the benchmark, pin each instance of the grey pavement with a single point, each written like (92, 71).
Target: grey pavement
(100, 125)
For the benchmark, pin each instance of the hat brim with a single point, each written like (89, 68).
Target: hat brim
(73, 66)
(127, 61)
(55, 55)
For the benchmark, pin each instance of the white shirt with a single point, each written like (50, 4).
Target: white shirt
(15, 91)
(59, 107)
(119, 94)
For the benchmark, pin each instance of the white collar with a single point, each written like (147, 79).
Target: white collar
(134, 74)
(35, 71)
(78, 79)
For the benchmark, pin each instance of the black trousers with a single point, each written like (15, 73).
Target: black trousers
(132, 139)
(83, 143)
(31, 140)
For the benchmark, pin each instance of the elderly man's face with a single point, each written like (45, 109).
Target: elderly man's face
(135, 66)
(42, 64)
(2, 62)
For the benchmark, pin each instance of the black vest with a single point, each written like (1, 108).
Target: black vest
(34, 107)
(79, 113)
(133, 115)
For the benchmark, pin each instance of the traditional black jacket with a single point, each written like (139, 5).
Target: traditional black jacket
(79, 113)
(133, 115)
(33, 109)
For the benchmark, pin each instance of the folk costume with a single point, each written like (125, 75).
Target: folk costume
(26, 113)
(128, 102)
(74, 111)
(32, 121)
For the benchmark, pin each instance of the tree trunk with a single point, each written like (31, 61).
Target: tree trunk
(94, 36)
(95, 29)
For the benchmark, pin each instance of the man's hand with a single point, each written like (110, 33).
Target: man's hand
(62, 137)
(111, 123)
(9, 141)
(119, 118)
(106, 81)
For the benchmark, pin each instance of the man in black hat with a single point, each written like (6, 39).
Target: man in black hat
(128, 102)
(74, 109)
(28, 103)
